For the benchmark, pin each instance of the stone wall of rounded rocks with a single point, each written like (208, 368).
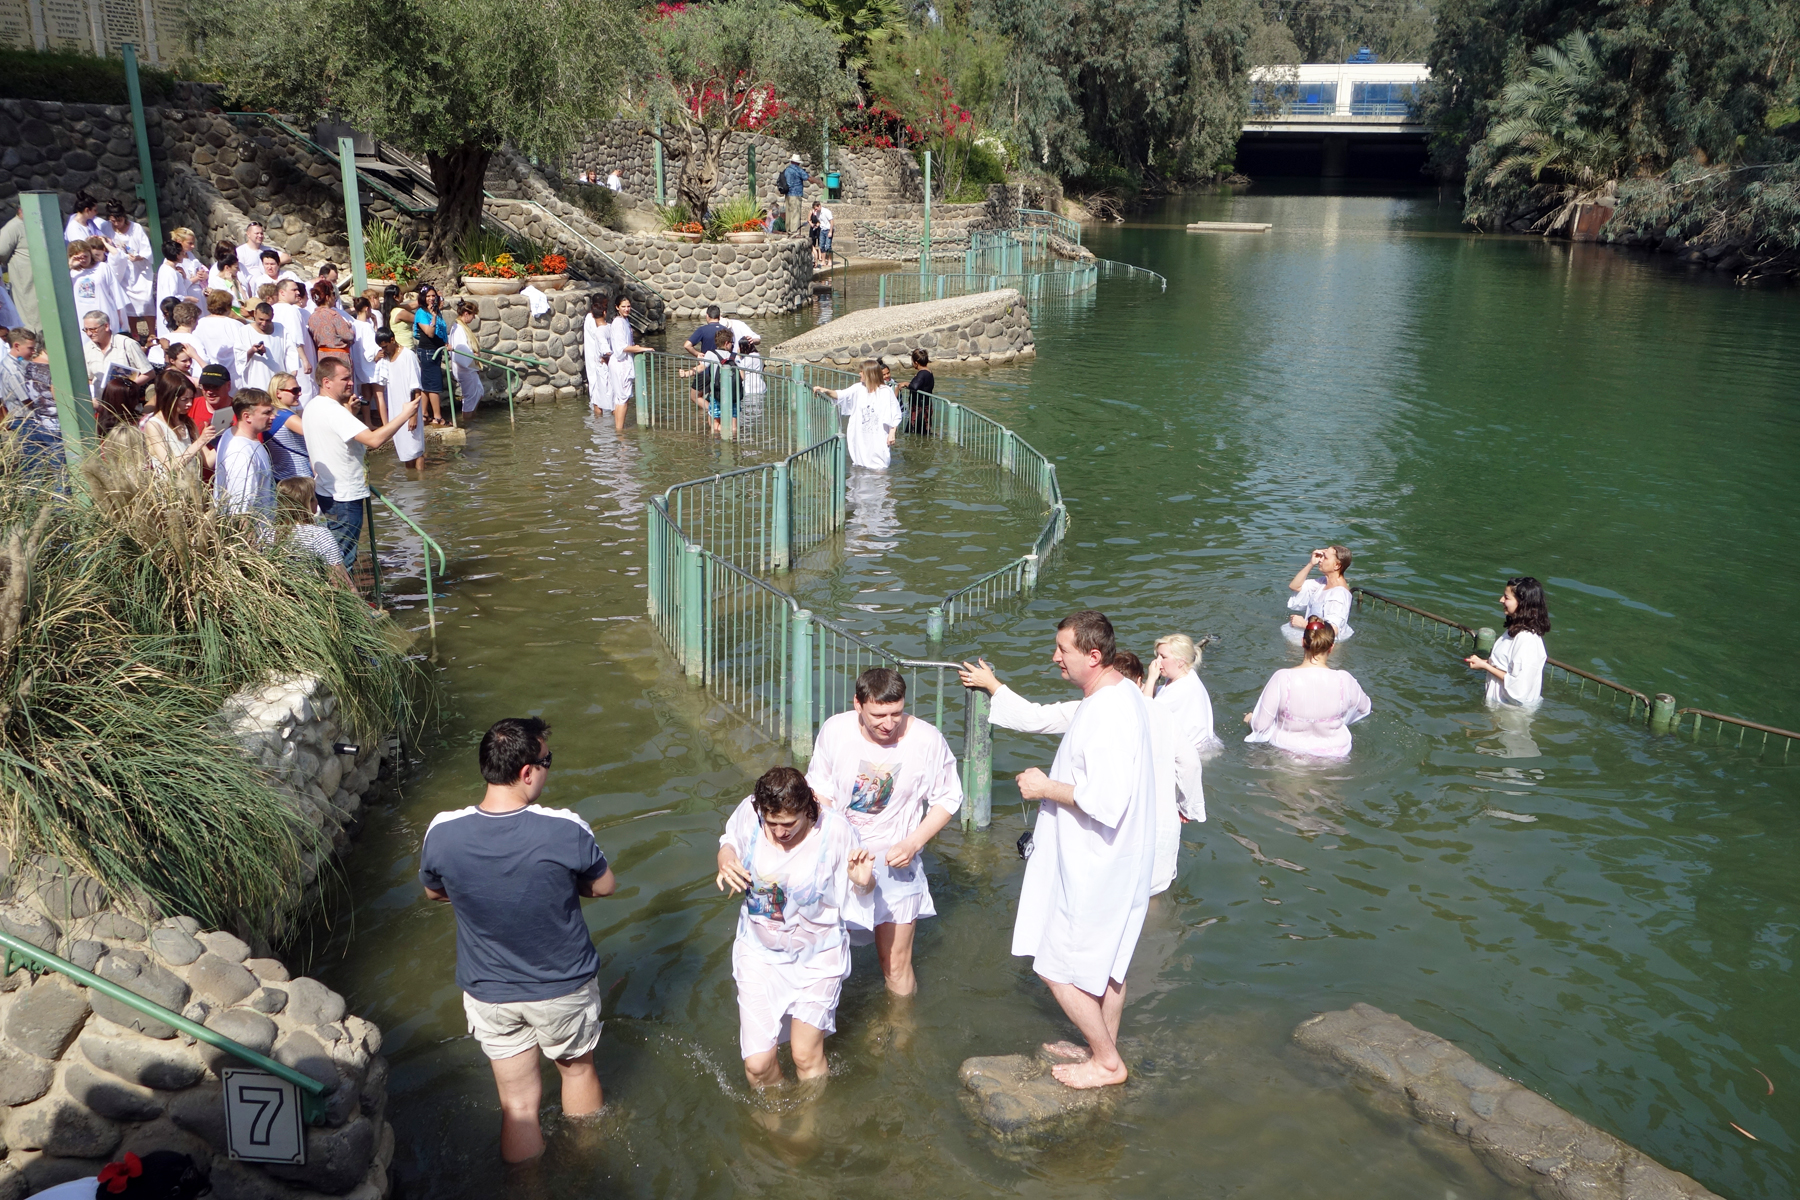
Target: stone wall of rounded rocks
(505, 324)
(84, 1078)
(754, 280)
(989, 327)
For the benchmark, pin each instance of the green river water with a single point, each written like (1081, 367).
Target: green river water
(1457, 409)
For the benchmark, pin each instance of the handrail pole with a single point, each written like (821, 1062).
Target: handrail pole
(978, 760)
(692, 604)
(374, 558)
(800, 678)
(21, 953)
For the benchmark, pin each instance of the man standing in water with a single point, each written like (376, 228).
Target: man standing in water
(894, 778)
(1087, 883)
(516, 874)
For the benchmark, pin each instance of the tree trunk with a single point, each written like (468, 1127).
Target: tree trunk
(700, 172)
(458, 177)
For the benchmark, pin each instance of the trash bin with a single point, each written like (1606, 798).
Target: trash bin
(833, 189)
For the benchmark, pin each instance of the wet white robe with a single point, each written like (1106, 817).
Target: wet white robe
(1087, 883)
(469, 387)
(1309, 710)
(1190, 708)
(398, 378)
(596, 340)
(1314, 599)
(624, 379)
(1522, 656)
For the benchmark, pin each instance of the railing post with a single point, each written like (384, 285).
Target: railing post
(1662, 713)
(781, 525)
(146, 171)
(840, 481)
(1031, 573)
(800, 681)
(1484, 640)
(359, 267)
(728, 386)
(934, 626)
(61, 324)
(693, 604)
(640, 385)
(653, 560)
(978, 761)
(374, 557)
(1008, 440)
(662, 195)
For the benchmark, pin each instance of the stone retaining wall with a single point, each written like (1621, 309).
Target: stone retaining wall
(992, 327)
(505, 323)
(84, 1078)
(754, 280)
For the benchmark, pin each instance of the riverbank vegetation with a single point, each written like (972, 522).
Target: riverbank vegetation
(129, 612)
(1682, 117)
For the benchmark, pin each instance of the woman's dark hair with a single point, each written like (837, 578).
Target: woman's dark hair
(598, 307)
(784, 790)
(173, 251)
(426, 290)
(119, 403)
(224, 255)
(115, 209)
(1318, 638)
(323, 294)
(510, 746)
(1533, 614)
(360, 305)
(175, 392)
(921, 358)
(84, 201)
(1129, 665)
(468, 307)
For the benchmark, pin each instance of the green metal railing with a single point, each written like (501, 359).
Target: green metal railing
(1067, 229)
(1659, 711)
(640, 315)
(904, 287)
(403, 203)
(427, 542)
(22, 954)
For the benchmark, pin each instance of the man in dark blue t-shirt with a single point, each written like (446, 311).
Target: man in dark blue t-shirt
(516, 874)
(704, 340)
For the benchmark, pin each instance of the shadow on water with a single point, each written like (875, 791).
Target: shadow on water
(1605, 916)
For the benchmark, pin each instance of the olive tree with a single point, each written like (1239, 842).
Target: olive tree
(451, 80)
(737, 66)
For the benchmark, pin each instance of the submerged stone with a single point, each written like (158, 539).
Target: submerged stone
(1016, 1096)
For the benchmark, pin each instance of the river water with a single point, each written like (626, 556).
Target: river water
(1605, 916)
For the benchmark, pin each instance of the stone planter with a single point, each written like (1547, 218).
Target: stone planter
(747, 238)
(547, 283)
(480, 286)
(677, 236)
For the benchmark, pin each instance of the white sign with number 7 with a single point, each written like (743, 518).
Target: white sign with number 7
(263, 1121)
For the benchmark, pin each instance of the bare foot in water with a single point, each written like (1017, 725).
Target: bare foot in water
(1088, 1075)
(1064, 1052)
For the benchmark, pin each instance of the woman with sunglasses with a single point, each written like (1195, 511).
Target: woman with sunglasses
(431, 334)
(286, 439)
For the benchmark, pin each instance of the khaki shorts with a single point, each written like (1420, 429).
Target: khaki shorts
(563, 1028)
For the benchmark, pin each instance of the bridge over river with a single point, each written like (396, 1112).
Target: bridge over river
(1335, 120)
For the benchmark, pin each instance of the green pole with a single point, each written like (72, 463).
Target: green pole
(925, 242)
(693, 577)
(978, 761)
(1662, 713)
(750, 160)
(800, 678)
(146, 173)
(662, 194)
(359, 267)
(62, 327)
(728, 389)
(781, 549)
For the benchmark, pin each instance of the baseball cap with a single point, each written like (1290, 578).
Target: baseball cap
(214, 376)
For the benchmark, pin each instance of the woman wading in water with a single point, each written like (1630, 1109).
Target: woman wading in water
(1328, 598)
(1515, 666)
(1309, 709)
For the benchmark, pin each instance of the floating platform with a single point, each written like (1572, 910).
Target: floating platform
(1229, 226)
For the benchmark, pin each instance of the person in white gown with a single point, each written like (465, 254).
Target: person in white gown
(1012, 711)
(874, 414)
(175, 279)
(894, 778)
(463, 348)
(596, 353)
(624, 373)
(1087, 883)
(805, 876)
(290, 321)
(1515, 666)
(136, 271)
(1186, 700)
(1309, 709)
(1328, 597)
(397, 374)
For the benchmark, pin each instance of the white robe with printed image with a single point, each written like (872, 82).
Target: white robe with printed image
(596, 340)
(1087, 883)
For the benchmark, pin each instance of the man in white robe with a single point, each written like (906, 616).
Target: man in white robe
(1012, 711)
(1087, 883)
(290, 324)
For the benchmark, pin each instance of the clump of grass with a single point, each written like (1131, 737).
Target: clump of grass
(129, 612)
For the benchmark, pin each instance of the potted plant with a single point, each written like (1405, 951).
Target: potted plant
(740, 219)
(549, 273)
(678, 226)
(498, 276)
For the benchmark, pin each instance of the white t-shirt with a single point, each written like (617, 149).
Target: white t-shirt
(97, 289)
(872, 415)
(825, 219)
(218, 341)
(257, 370)
(614, 182)
(1522, 656)
(883, 790)
(337, 457)
(246, 481)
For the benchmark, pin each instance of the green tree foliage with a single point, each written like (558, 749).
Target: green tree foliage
(453, 80)
(1126, 91)
(1545, 125)
(944, 81)
(1331, 30)
(739, 65)
(861, 27)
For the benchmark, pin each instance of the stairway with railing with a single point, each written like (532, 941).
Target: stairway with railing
(715, 543)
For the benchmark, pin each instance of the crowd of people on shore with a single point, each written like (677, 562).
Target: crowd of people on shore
(264, 384)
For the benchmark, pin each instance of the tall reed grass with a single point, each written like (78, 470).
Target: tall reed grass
(129, 612)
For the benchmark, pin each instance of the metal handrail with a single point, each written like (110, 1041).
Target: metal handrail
(641, 321)
(21, 953)
(1360, 592)
(1066, 228)
(430, 544)
(1721, 720)
(393, 197)
(512, 374)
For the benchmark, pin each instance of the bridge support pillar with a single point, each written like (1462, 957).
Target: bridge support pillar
(1335, 156)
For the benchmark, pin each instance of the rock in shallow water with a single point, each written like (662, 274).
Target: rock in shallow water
(1016, 1096)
